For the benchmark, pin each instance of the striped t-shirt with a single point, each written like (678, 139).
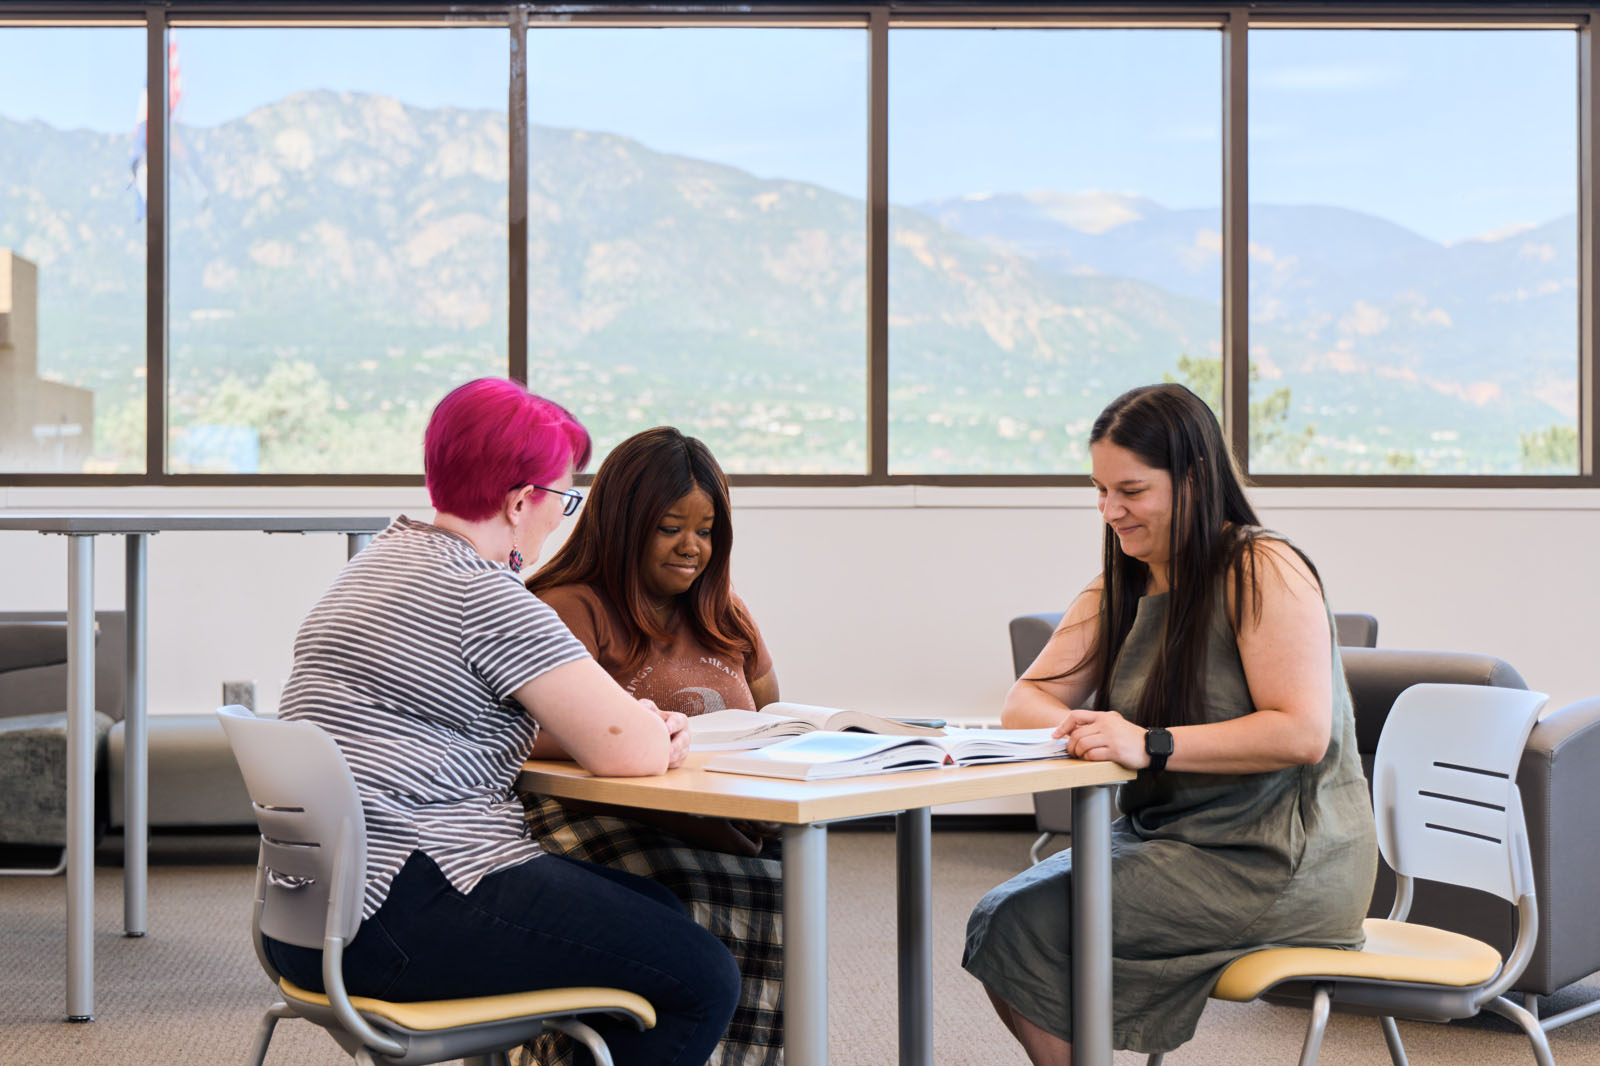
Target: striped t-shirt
(409, 661)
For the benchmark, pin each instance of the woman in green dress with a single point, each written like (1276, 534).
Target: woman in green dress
(1203, 656)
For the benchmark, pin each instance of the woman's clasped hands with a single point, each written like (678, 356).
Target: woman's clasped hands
(1101, 736)
(677, 733)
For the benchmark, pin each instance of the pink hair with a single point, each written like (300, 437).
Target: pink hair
(492, 435)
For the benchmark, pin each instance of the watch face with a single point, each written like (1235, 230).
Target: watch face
(1157, 742)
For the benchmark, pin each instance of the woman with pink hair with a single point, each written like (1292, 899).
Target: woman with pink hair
(438, 676)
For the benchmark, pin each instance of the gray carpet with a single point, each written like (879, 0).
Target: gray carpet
(191, 992)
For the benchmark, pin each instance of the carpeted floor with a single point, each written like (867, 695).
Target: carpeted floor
(192, 992)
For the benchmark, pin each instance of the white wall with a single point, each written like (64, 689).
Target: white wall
(887, 599)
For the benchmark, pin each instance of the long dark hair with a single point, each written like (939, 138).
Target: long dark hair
(1213, 533)
(635, 485)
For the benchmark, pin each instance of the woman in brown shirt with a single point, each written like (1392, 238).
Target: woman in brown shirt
(644, 583)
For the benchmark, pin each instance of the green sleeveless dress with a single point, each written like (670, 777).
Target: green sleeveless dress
(1205, 868)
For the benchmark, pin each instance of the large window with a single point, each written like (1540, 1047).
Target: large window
(72, 294)
(843, 243)
(1055, 236)
(1413, 251)
(338, 242)
(696, 237)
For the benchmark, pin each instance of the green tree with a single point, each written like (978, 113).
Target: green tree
(302, 424)
(1272, 442)
(1553, 449)
(1398, 462)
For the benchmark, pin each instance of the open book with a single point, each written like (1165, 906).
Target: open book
(820, 755)
(735, 730)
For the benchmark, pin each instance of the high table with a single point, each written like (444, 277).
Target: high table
(80, 531)
(804, 808)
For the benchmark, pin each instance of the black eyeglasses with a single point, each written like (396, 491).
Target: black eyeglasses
(572, 499)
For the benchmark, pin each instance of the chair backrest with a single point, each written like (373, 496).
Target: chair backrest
(1356, 630)
(1444, 786)
(1030, 633)
(1377, 677)
(313, 834)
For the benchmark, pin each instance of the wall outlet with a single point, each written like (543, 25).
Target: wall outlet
(240, 692)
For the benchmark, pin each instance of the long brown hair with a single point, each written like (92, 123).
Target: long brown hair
(1213, 532)
(635, 485)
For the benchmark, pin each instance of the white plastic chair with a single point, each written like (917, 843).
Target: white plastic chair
(314, 837)
(1447, 806)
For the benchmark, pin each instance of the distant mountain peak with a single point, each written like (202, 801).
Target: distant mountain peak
(1499, 233)
(1093, 210)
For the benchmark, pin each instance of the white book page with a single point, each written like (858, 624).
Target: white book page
(816, 716)
(729, 722)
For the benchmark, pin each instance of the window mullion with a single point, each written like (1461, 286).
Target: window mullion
(1236, 237)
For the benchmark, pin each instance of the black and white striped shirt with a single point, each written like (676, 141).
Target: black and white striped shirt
(409, 661)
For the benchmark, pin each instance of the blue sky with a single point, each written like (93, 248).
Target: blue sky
(1452, 134)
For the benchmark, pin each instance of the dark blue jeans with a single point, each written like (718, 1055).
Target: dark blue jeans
(547, 923)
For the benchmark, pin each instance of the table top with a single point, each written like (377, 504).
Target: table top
(695, 790)
(131, 522)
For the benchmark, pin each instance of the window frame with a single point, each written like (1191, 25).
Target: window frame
(1234, 22)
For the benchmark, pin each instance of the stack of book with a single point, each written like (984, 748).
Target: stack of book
(817, 743)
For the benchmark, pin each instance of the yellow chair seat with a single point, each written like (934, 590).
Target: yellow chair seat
(1395, 951)
(451, 1013)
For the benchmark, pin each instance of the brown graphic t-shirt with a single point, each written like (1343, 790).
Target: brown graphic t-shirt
(680, 675)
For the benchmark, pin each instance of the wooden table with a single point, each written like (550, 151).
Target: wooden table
(805, 807)
(80, 531)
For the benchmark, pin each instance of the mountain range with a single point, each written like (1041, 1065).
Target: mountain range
(362, 241)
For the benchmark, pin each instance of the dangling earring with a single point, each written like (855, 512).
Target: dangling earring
(516, 559)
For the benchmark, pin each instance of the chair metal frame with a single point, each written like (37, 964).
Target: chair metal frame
(1447, 809)
(309, 887)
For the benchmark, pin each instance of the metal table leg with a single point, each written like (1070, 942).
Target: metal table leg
(80, 778)
(1091, 926)
(354, 542)
(136, 742)
(914, 895)
(805, 945)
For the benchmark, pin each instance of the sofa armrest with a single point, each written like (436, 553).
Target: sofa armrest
(1556, 778)
(25, 645)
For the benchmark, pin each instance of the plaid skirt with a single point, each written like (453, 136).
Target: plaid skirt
(737, 898)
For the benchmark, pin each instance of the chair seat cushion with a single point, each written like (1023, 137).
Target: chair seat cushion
(1395, 951)
(455, 1013)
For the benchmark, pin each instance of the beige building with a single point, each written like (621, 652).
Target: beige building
(44, 425)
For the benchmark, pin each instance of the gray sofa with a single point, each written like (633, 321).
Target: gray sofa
(33, 735)
(194, 781)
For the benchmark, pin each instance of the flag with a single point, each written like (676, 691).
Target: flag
(137, 162)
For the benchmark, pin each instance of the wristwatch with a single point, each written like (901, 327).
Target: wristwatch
(1157, 745)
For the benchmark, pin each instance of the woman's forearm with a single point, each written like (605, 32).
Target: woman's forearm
(1259, 742)
(1029, 707)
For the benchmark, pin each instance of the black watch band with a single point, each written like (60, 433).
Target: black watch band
(1157, 745)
